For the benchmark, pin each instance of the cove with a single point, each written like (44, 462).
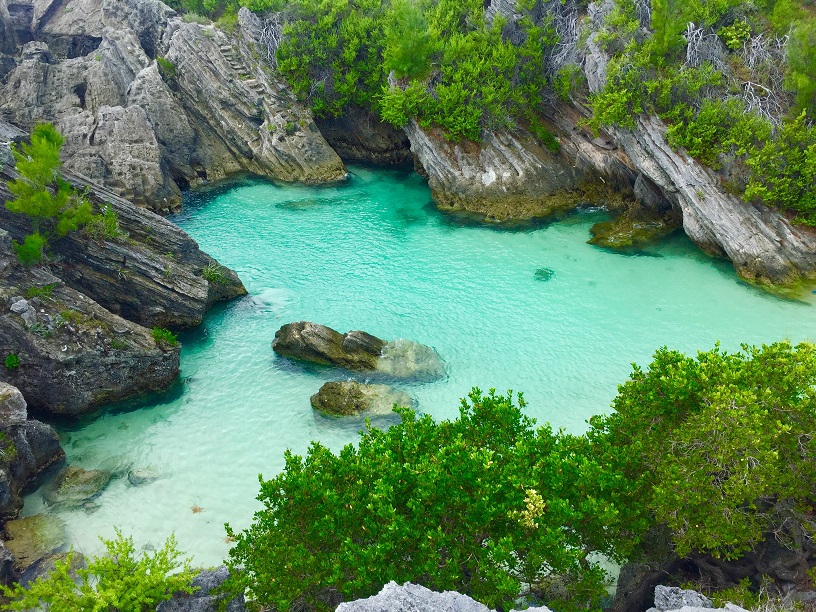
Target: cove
(534, 309)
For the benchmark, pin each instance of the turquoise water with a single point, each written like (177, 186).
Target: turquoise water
(535, 310)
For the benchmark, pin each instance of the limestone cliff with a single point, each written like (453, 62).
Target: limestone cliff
(214, 108)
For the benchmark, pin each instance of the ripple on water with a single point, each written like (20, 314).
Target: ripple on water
(372, 255)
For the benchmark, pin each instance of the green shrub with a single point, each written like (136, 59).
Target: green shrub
(167, 69)
(12, 361)
(40, 193)
(719, 447)
(214, 273)
(483, 504)
(783, 171)
(118, 580)
(164, 336)
(44, 292)
(105, 226)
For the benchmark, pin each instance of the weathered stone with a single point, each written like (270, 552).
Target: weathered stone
(634, 229)
(75, 486)
(6, 565)
(416, 598)
(319, 344)
(351, 398)
(204, 599)
(92, 71)
(672, 598)
(12, 406)
(33, 538)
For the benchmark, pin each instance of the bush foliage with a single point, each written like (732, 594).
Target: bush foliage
(718, 448)
(117, 580)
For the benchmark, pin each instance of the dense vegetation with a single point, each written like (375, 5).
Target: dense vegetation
(719, 449)
(731, 78)
(452, 68)
(117, 580)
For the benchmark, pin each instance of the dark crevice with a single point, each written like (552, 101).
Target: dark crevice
(80, 91)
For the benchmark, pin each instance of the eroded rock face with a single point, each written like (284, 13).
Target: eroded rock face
(90, 67)
(351, 398)
(358, 136)
(512, 176)
(153, 276)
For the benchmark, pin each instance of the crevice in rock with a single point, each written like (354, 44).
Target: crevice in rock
(80, 91)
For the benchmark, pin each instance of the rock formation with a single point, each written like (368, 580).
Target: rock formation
(27, 449)
(150, 104)
(33, 538)
(416, 598)
(357, 350)
(351, 398)
(358, 136)
(206, 598)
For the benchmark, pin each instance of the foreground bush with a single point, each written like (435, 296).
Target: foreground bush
(481, 505)
(115, 581)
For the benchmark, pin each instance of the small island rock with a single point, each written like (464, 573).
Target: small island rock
(357, 350)
(351, 398)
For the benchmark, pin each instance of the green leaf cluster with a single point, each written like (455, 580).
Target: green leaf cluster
(720, 447)
(51, 203)
(482, 504)
(116, 581)
(164, 336)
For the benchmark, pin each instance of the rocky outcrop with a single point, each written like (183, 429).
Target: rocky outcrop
(153, 275)
(150, 104)
(761, 243)
(205, 598)
(358, 136)
(71, 355)
(416, 598)
(675, 599)
(27, 449)
(351, 398)
(512, 176)
(357, 350)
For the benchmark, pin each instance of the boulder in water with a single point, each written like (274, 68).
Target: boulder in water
(315, 343)
(351, 398)
(357, 350)
(33, 538)
(142, 476)
(76, 486)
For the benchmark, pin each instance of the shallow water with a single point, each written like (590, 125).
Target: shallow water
(535, 310)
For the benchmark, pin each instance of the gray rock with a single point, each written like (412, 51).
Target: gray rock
(36, 449)
(75, 486)
(351, 398)
(12, 406)
(203, 600)
(672, 598)
(33, 538)
(415, 598)
(6, 565)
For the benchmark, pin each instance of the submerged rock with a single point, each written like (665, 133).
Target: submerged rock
(544, 274)
(44, 567)
(33, 538)
(143, 476)
(357, 350)
(634, 229)
(351, 398)
(76, 486)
